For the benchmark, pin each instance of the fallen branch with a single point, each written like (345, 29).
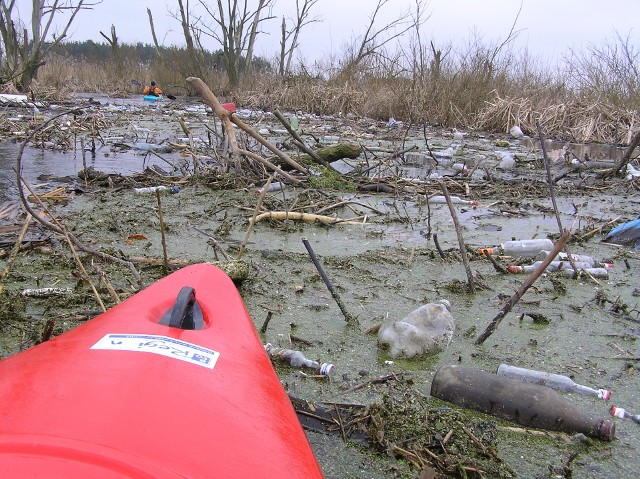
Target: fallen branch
(299, 141)
(292, 215)
(252, 221)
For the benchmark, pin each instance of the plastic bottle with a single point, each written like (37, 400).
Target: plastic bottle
(562, 256)
(522, 248)
(553, 266)
(275, 186)
(602, 273)
(527, 404)
(460, 167)
(553, 381)
(624, 414)
(162, 189)
(298, 360)
(456, 200)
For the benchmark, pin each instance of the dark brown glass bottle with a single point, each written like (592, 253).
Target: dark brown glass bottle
(527, 404)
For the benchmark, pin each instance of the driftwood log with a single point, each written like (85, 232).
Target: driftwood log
(334, 153)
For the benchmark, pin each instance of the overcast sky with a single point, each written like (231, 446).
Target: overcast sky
(549, 28)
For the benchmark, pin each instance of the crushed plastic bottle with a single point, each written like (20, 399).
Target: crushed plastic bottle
(624, 414)
(553, 381)
(298, 360)
(428, 328)
(162, 189)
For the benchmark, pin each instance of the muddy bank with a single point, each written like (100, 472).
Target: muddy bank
(383, 268)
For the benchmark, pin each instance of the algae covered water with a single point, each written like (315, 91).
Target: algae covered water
(383, 268)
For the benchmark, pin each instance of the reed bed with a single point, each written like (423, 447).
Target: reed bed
(471, 89)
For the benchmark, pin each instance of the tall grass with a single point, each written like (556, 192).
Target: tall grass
(476, 86)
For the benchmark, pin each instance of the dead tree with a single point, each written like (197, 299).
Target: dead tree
(289, 39)
(235, 27)
(25, 51)
(115, 49)
(375, 39)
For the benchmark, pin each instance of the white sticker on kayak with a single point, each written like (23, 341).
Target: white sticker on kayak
(170, 347)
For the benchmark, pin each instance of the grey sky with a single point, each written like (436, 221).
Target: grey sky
(549, 27)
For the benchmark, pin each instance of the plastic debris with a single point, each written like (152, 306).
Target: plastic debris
(624, 414)
(428, 328)
(298, 360)
(551, 380)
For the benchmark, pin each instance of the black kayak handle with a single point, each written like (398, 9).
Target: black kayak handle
(186, 312)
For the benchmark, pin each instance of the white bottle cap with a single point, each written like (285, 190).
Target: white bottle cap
(327, 369)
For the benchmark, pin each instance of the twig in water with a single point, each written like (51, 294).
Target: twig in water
(65, 233)
(435, 241)
(497, 266)
(523, 289)
(547, 165)
(298, 140)
(265, 325)
(14, 251)
(253, 218)
(327, 282)
(463, 249)
(162, 234)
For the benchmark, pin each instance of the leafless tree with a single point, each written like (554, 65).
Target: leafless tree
(24, 51)
(235, 27)
(115, 49)
(375, 38)
(289, 40)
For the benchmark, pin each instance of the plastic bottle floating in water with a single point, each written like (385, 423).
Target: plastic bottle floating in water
(519, 249)
(162, 189)
(298, 360)
(624, 414)
(554, 381)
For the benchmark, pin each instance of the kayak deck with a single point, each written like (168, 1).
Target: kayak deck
(126, 396)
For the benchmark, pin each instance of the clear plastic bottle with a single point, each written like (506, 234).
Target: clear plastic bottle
(529, 405)
(518, 249)
(162, 189)
(298, 360)
(525, 248)
(624, 414)
(553, 266)
(554, 381)
(602, 273)
(456, 200)
(275, 186)
(562, 256)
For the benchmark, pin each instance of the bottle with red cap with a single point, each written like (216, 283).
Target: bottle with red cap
(553, 381)
(624, 414)
(521, 248)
